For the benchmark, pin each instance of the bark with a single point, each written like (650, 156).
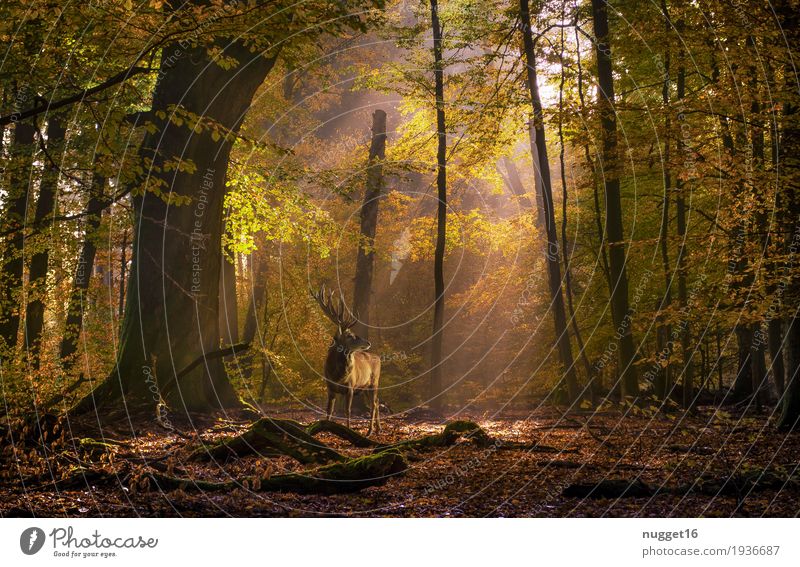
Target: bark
(123, 270)
(614, 237)
(680, 221)
(228, 303)
(22, 152)
(789, 149)
(257, 299)
(83, 273)
(172, 308)
(441, 213)
(369, 222)
(591, 166)
(37, 274)
(663, 384)
(514, 182)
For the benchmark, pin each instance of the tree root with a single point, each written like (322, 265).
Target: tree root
(272, 437)
(342, 431)
(350, 475)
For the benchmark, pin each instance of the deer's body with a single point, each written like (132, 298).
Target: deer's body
(348, 373)
(348, 367)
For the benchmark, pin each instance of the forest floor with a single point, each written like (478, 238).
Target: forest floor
(583, 464)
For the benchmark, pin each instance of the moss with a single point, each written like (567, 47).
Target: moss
(270, 437)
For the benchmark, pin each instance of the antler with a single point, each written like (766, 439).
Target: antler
(335, 312)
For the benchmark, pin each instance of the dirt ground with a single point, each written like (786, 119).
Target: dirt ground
(708, 464)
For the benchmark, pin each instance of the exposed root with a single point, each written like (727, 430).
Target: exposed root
(342, 431)
(348, 476)
(272, 437)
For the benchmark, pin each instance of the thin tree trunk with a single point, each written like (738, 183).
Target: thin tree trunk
(369, 222)
(542, 165)
(564, 242)
(229, 305)
(83, 273)
(123, 269)
(789, 149)
(591, 165)
(441, 213)
(22, 152)
(680, 221)
(37, 274)
(620, 309)
(663, 386)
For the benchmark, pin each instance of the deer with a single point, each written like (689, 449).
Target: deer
(348, 367)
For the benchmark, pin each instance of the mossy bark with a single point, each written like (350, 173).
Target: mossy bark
(271, 437)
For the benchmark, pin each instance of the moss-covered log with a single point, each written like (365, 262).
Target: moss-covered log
(341, 431)
(450, 434)
(348, 476)
(271, 437)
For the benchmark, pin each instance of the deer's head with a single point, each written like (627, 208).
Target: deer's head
(344, 341)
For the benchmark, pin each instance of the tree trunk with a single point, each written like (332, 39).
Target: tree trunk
(542, 166)
(564, 246)
(614, 237)
(441, 213)
(789, 149)
(22, 152)
(172, 308)
(369, 222)
(37, 275)
(123, 270)
(258, 290)
(83, 273)
(228, 303)
(514, 182)
(663, 380)
(680, 206)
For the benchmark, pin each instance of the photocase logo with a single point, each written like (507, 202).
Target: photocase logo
(31, 541)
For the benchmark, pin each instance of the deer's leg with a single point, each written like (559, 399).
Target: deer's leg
(349, 404)
(331, 401)
(371, 413)
(377, 407)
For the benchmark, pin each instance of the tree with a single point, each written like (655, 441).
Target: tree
(171, 321)
(542, 168)
(610, 168)
(37, 274)
(441, 212)
(365, 261)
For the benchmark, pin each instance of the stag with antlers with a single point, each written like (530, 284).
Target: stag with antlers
(348, 367)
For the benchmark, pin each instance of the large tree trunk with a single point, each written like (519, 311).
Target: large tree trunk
(22, 151)
(172, 311)
(615, 240)
(369, 222)
(37, 276)
(441, 213)
(542, 166)
(83, 272)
